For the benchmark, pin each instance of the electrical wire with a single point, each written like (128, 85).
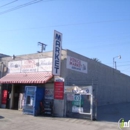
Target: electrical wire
(123, 65)
(21, 6)
(8, 3)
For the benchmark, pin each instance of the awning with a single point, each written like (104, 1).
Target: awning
(38, 77)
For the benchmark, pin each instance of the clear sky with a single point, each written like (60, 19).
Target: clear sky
(93, 28)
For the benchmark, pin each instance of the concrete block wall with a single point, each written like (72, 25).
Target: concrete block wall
(110, 85)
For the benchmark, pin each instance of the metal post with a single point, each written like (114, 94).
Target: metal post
(1, 70)
(115, 64)
(91, 108)
(12, 97)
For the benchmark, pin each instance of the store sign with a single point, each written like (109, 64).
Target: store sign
(32, 65)
(76, 64)
(87, 90)
(45, 64)
(14, 66)
(58, 79)
(29, 65)
(58, 90)
(57, 43)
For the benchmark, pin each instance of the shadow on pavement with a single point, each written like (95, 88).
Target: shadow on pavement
(114, 112)
(1, 117)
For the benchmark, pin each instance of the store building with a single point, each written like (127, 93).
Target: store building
(109, 85)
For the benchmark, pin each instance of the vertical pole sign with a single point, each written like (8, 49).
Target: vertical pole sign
(56, 53)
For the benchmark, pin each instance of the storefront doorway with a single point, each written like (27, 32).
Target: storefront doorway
(19, 90)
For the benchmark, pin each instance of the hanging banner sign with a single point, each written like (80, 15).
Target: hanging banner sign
(57, 43)
(76, 64)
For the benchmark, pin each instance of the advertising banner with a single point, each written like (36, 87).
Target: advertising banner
(14, 66)
(87, 90)
(58, 90)
(70, 97)
(77, 104)
(49, 93)
(32, 65)
(76, 64)
(29, 65)
(45, 64)
(57, 43)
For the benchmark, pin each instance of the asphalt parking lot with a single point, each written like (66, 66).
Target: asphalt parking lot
(16, 120)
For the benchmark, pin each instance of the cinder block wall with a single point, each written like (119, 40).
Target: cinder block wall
(110, 86)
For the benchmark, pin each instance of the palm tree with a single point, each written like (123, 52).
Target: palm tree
(97, 60)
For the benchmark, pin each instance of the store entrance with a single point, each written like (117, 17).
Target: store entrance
(18, 96)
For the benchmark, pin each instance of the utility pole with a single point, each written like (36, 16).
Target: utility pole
(43, 47)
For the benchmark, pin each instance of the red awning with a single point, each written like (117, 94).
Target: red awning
(38, 77)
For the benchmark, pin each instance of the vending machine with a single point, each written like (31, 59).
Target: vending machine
(32, 98)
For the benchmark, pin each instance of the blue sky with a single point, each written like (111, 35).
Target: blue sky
(93, 28)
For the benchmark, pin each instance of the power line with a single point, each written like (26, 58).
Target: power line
(21, 6)
(124, 65)
(8, 3)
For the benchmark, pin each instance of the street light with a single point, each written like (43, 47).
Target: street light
(114, 62)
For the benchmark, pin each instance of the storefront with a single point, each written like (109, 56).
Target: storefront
(32, 72)
(27, 76)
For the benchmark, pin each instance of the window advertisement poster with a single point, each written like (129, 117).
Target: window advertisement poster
(14, 67)
(59, 90)
(70, 97)
(29, 65)
(45, 64)
(49, 93)
(77, 104)
(76, 64)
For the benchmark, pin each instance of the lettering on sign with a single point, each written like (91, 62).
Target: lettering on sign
(29, 65)
(58, 90)
(57, 53)
(32, 65)
(14, 66)
(76, 64)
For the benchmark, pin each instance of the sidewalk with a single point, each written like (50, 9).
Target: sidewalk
(112, 113)
(16, 120)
